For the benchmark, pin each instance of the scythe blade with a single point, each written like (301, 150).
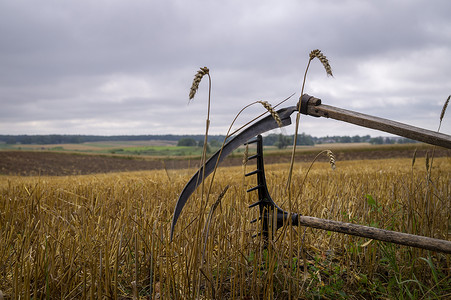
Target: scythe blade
(264, 125)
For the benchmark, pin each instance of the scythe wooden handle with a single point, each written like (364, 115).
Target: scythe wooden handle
(312, 106)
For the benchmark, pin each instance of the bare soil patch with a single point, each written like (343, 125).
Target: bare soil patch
(28, 163)
(55, 163)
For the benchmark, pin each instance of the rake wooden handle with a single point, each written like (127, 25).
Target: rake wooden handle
(378, 234)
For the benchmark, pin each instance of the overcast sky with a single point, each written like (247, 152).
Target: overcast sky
(125, 67)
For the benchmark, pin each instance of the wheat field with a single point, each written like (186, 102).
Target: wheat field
(107, 235)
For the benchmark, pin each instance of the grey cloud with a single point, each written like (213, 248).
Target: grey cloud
(127, 66)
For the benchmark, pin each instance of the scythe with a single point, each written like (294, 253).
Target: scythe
(312, 106)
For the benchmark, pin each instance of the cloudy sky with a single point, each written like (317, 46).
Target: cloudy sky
(125, 67)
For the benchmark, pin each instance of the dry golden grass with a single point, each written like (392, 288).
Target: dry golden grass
(108, 235)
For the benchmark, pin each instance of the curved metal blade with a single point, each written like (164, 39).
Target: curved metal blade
(255, 129)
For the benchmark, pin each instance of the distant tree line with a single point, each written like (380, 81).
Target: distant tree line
(283, 141)
(362, 139)
(343, 139)
(391, 140)
(279, 140)
(78, 139)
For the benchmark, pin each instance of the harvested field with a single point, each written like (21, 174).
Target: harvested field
(106, 236)
(28, 163)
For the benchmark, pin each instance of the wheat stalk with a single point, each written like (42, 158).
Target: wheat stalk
(429, 165)
(246, 155)
(318, 54)
(206, 230)
(194, 87)
(442, 115)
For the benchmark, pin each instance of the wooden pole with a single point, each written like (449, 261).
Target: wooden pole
(378, 234)
(312, 106)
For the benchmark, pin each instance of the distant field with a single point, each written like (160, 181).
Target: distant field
(148, 148)
(74, 159)
(92, 146)
(170, 148)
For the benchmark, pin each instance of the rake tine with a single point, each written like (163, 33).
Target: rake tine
(252, 173)
(271, 215)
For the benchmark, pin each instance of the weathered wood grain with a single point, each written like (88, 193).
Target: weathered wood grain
(415, 133)
(378, 234)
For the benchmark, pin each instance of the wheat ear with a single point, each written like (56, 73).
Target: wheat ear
(323, 59)
(197, 78)
(272, 111)
(445, 106)
(331, 159)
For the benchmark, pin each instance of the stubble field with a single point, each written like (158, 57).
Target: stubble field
(107, 235)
